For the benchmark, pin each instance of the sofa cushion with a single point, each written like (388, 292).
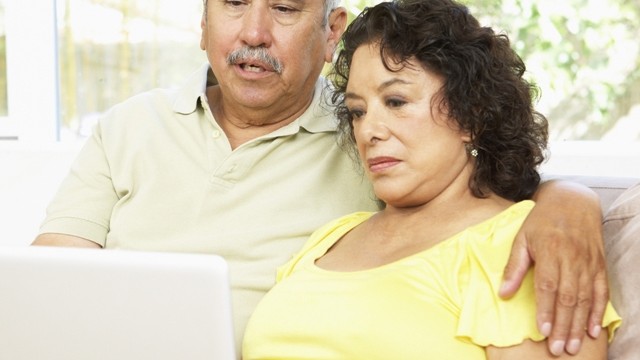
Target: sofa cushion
(622, 247)
(608, 188)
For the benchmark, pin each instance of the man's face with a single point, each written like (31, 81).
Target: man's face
(291, 38)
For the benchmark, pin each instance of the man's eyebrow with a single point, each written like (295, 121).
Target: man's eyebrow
(297, 2)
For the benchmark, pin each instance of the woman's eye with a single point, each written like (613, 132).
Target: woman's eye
(395, 102)
(355, 114)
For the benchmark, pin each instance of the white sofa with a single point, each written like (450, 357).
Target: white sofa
(622, 247)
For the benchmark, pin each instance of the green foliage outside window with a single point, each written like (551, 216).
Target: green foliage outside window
(583, 54)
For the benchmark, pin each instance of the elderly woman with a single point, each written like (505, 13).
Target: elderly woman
(444, 126)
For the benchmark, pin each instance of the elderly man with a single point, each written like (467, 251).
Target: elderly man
(242, 161)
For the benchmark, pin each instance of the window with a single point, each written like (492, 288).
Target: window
(110, 50)
(3, 64)
(30, 78)
(5, 123)
(77, 58)
(584, 55)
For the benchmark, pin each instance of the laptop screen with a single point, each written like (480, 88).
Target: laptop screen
(84, 304)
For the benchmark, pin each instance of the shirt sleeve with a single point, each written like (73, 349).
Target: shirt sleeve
(84, 202)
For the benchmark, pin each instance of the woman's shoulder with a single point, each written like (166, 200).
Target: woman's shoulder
(322, 239)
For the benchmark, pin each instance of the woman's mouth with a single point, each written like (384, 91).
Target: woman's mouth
(381, 163)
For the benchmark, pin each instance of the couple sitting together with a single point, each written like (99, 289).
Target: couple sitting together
(242, 161)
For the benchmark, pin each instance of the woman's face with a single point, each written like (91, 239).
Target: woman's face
(409, 149)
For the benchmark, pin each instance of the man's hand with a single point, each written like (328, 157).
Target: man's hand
(563, 237)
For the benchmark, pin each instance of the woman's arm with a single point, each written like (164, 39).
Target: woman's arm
(563, 237)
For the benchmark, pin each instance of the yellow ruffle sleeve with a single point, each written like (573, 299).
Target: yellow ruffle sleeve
(485, 318)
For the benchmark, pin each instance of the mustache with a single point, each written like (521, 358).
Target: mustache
(260, 54)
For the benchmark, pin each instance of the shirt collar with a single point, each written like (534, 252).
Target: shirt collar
(317, 118)
(193, 90)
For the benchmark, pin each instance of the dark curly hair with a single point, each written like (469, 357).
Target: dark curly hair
(483, 92)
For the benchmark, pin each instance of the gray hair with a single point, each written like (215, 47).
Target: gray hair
(329, 6)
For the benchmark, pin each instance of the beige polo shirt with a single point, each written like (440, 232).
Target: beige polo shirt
(159, 174)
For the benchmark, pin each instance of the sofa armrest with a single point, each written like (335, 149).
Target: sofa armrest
(608, 188)
(621, 228)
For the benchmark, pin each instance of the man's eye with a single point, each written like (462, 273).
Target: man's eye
(284, 9)
(235, 4)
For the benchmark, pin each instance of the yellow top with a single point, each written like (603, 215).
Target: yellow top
(440, 303)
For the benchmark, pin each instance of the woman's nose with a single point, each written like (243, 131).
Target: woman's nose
(371, 129)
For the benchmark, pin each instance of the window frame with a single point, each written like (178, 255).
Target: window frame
(593, 158)
(32, 72)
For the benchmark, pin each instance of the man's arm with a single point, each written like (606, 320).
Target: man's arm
(563, 237)
(63, 240)
(593, 349)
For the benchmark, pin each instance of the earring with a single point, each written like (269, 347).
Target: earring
(471, 149)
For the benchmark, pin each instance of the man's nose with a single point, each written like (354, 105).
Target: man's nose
(257, 25)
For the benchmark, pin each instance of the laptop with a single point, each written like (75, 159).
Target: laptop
(91, 304)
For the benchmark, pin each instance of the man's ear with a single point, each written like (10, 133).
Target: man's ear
(203, 36)
(337, 24)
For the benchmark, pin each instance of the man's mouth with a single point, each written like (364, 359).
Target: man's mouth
(252, 68)
(255, 60)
